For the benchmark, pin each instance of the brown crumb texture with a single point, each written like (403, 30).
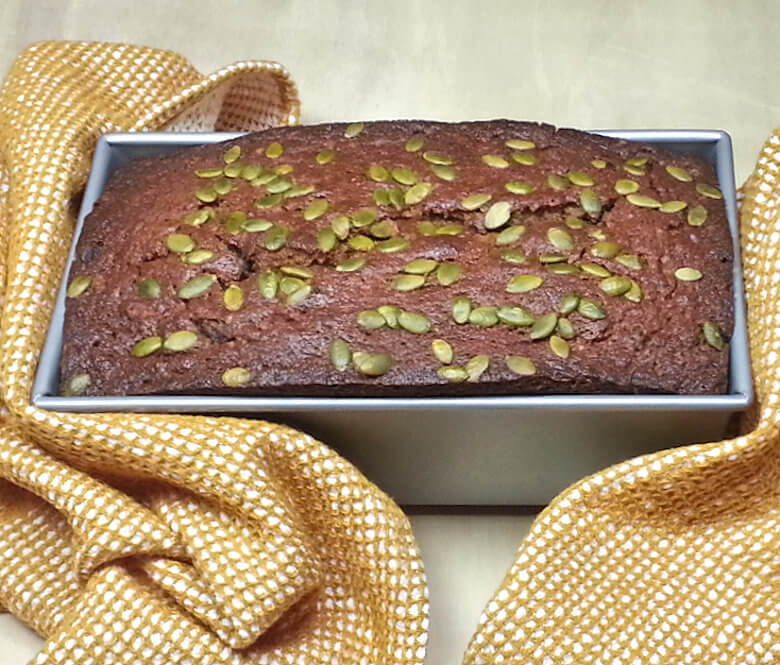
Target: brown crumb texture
(285, 228)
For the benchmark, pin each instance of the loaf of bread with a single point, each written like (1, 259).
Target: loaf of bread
(403, 258)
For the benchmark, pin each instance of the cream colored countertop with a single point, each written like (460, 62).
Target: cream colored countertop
(592, 64)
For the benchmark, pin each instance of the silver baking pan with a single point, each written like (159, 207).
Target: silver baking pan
(518, 450)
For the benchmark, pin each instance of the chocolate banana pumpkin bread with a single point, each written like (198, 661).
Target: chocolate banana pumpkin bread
(404, 258)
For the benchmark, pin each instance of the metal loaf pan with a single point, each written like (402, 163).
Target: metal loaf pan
(519, 450)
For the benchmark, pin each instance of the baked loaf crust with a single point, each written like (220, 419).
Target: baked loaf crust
(544, 261)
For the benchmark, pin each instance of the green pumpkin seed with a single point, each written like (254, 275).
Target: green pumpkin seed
(236, 377)
(634, 294)
(448, 273)
(599, 164)
(268, 283)
(525, 158)
(206, 195)
(637, 161)
(199, 217)
(233, 170)
(562, 269)
(256, 225)
(590, 202)
(630, 261)
(697, 216)
(624, 187)
(565, 329)
(615, 285)
(299, 295)
(520, 365)
(404, 176)
(581, 179)
(339, 354)
(325, 156)
(708, 190)
(474, 201)
(276, 238)
(354, 129)
(383, 230)
(559, 346)
(557, 182)
(510, 235)
(233, 298)
(298, 190)
(147, 347)
(688, 274)
(560, 239)
(414, 323)
(198, 257)
(390, 314)
(420, 266)
(523, 283)
(79, 286)
(234, 222)
(370, 319)
(590, 309)
(642, 201)
(251, 171)
(364, 217)
(77, 385)
(373, 364)
(518, 187)
(598, 234)
(606, 249)
(444, 172)
(450, 230)
(437, 158)
(679, 173)
(483, 316)
(340, 226)
(544, 325)
(223, 186)
(196, 287)
(414, 144)
(283, 169)
(274, 151)
(426, 228)
(315, 209)
(214, 172)
(396, 197)
(408, 282)
(297, 271)
(179, 243)
(513, 256)
(520, 144)
(232, 154)
(351, 264)
(551, 258)
(442, 351)
(633, 170)
(569, 303)
(181, 340)
(673, 206)
(712, 335)
(476, 367)
(575, 223)
(361, 243)
(452, 373)
(392, 245)
(496, 161)
(461, 309)
(515, 316)
(148, 288)
(382, 197)
(264, 179)
(497, 215)
(417, 193)
(594, 269)
(378, 173)
(270, 201)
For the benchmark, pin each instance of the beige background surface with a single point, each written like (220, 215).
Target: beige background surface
(590, 64)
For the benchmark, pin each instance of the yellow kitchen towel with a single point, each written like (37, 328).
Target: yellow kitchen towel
(169, 539)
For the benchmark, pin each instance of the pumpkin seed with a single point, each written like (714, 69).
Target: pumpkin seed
(544, 325)
(232, 154)
(373, 364)
(708, 190)
(408, 282)
(214, 172)
(414, 144)
(426, 229)
(148, 288)
(513, 256)
(520, 144)
(629, 261)
(642, 201)
(390, 314)
(270, 201)
(452, 373)
(560, 239)
(525, 158)
(615, 285)
(590, 202)
(590, 309)
(444, 172)
(606, 249)
(354, 129)
(712, 335)
(234, 222)
(370, 319)
(325, 156)
(474, 201)
(364, 217)
(181, 340)
(517, 187)
(378, 173)
(147, 347)
(298, 190)
(569, 303)
(599, 163)
(417, 193)
(396, 197)
(392, 245)
(196, 286)
(484, 316)
(256, 225)
(264, 179)
(179, 243)
(562, 269)
(351, 264)
(496, 161)
(594, 269)
(77, 385)
(450, 230)
(79, 286)
(442, 351)
(276, 238)
(580, 178)
(673, 206)
(236, 376)
(598, 234)
(633, 170)
(339, 354)
(634, 294)
(510, 235)
(268, 283)
(340, 226)
(283, 169)
(233, 298)
(557, 182)
(476, 367)
(575, 223)
(448, 273)
(515, 315)
(223, 186)
(679, 173)
(383, 230)
(420, 266)
(361, 243)
(315, 209)
(523, 283)
(461, 309)
(414, 323)
(297, 271)
(437, 158)
(497, 215)
(404, 176)
(299, 295)
(688, 274)
(559, 346)
(199, 217)
(520, 365)
(206, 194)
(198, 257)
(233, 170)
(637, 161)
(251, 171)
(624, 187)
(565, 329)
(382, 197)
(697, 216)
